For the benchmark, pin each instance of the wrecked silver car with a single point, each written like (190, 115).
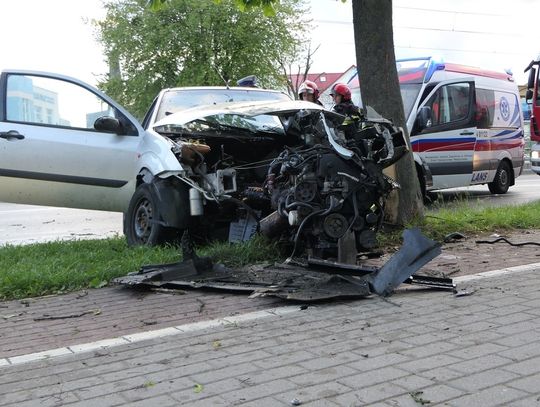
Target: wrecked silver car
(65, 143)
(296, 172)
(289, 169)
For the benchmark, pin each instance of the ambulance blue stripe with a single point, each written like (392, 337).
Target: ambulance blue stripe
(515, 118)
(499, 137)
(515, 123)
(445, 140)
(514, 133)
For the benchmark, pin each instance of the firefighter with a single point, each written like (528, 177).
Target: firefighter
(309, 91)
(343, 104)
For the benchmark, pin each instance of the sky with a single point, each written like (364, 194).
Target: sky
(490, 34)
(56, 36)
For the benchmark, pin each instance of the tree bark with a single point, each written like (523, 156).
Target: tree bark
(379, 85)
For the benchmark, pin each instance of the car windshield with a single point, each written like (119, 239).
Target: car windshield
(176, 100)
(235, 123)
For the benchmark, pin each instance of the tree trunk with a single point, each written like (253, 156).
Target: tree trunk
(379, 85)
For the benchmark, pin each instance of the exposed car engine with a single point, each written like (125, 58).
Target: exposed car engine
(326, 194)
(317, 185)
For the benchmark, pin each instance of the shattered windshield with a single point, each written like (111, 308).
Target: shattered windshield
(229, 123)
(177, 100)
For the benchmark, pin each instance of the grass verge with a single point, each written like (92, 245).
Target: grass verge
(58, 267)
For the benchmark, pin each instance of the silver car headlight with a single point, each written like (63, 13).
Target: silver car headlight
(535, 154)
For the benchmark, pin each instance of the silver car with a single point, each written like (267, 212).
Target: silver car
(65, 143)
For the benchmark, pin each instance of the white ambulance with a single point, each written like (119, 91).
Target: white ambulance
(465, 124)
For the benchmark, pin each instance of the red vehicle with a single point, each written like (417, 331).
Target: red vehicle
(533, 97)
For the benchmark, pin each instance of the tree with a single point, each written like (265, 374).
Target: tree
(373, 34)
(379, 85)
(193, 42)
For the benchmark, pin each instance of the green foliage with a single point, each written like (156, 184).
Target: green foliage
(49, 268)
(57, 267)
(268, 6)
(193, 43)
(156, 5)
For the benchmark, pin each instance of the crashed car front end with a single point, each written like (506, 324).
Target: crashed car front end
(290, 170)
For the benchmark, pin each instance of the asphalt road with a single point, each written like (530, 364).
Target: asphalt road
(23, 224)
(526, 189)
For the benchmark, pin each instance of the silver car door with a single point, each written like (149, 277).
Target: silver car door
(50, 152)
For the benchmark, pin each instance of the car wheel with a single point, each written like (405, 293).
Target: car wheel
(501, 182)
(142, 219)
(427, 197)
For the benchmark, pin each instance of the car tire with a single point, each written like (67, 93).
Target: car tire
(142, 220)
(501, 182)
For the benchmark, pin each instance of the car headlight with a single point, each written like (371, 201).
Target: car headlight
(535, 155)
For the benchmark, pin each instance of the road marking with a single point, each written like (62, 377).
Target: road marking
(202, 325)
(496, 273)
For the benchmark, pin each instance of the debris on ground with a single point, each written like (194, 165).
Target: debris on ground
(310, 279)
(464, 293)
(503, 239)
(168, 291)
(197, 388)
(417, 396)
(453, 237)
(75, 315)
(201, 305)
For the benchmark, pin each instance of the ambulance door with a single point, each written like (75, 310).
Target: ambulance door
(447, 141)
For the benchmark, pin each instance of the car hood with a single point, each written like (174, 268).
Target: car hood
(278, 108)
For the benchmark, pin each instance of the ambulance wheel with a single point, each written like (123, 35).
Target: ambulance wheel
(426, 197)
(501, 182)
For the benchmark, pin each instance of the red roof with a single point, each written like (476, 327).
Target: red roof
(323, 80)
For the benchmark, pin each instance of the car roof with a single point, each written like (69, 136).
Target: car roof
(240, 88)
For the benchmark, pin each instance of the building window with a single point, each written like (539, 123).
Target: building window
(37, 114)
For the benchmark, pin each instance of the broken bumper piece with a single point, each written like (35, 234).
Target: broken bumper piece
(317, 280)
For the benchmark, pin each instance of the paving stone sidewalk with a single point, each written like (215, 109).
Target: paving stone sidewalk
(415, 348)
(115, 311)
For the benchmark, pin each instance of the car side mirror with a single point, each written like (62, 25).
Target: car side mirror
(109, 124)
(423, 118)
(530, 81)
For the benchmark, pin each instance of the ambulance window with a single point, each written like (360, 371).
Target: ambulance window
(450, 103)
(485, 108)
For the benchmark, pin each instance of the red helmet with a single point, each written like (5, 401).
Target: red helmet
(309, 87)
(341, 89)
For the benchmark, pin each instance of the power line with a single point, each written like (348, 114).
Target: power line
(455, 31)
(343, 22)
(477, 51)
(451, 11)
(462, 31)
